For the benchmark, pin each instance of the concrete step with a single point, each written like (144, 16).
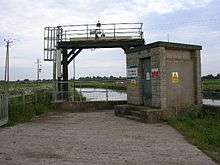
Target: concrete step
(136, 113)
(139, 113)
(131, 117)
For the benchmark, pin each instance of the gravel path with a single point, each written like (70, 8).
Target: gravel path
(95, 138)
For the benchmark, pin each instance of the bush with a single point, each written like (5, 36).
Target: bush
(35, 104)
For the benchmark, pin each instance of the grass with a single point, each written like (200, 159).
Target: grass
(211, 85)
(96, 84)
(20, 115)
(201, 128)
(34, 105)
(19, 87)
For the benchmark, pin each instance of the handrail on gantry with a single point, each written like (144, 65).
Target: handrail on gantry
(138, 23)
(89, 32)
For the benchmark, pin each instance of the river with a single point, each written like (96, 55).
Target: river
(97, 94)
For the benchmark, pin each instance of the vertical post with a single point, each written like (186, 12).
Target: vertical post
(74, 86)
(106, 94)
(7, 66)
(58, 73)
(23, 101)
(51, 43)
(114, 31)
(80, 94)
(35, 97)
(6, 106)
(38, 69)
(141, 32)
(45, 43)
(54, 95)
(87, 31)
(65, 74)
(48, 43)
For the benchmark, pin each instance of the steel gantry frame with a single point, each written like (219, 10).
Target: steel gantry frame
(63, 43)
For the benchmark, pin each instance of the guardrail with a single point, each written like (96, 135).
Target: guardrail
(3, 109)
(90, 95)
(21, 106)
(86, 32)
(211, 95)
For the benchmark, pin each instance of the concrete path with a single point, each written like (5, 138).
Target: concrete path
(95, 138)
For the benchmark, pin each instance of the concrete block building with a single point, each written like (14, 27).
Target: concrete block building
(164, 75)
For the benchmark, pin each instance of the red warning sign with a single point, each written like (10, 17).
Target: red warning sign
(154, 72)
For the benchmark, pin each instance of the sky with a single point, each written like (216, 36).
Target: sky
(185, 21)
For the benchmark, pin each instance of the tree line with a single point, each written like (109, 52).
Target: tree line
(211, 77)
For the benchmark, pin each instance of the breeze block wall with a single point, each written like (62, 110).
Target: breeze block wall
(168, 58)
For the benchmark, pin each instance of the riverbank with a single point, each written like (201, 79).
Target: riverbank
(16, 87)
(202, 128)
(211, 85)
(207, 85)
(114, 85)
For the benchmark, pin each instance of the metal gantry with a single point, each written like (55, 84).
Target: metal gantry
(63, 43)
(88, 32)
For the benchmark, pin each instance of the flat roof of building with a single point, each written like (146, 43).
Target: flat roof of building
(170, 45)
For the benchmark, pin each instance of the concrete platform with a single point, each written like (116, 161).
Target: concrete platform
(140, 113)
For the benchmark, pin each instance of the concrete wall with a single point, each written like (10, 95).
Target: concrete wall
(168, 58)
(87, 106)
(135, 95)
(182, 93)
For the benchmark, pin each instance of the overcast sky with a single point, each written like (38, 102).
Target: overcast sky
(187, 21)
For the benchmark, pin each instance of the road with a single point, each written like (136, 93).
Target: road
(95, 138)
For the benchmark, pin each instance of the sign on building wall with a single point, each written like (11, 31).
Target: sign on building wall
(147, 75)
(175, 78)
(154, 72)
(132, 72)
(133, 83)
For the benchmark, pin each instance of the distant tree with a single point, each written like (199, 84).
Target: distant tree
(99, 78)
(208, 77)
(217, 76)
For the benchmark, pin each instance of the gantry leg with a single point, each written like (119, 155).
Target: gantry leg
(65, 74)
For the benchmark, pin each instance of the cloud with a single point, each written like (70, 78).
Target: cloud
(24, 20)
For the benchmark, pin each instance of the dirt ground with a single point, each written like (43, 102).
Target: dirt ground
(95, 138)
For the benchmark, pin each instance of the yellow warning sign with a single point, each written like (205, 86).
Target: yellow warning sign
(175, 78)
(133, 83)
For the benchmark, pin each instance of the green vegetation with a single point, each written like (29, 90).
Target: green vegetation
(211, 85)
(208, 85)
(25, 86)
(98, 78)
(27, 99)
(202, 128)
(24, 107)
(76, 95)
(115, 85)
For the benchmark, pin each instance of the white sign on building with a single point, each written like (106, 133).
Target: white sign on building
(132, 72)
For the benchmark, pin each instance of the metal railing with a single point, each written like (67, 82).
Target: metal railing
(102, 31)
(3, 109)
(85, 32)
(90, 94)
(211, 95)
(103, 95)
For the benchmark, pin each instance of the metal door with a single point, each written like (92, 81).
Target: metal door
(147, 91)
(3, 109)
